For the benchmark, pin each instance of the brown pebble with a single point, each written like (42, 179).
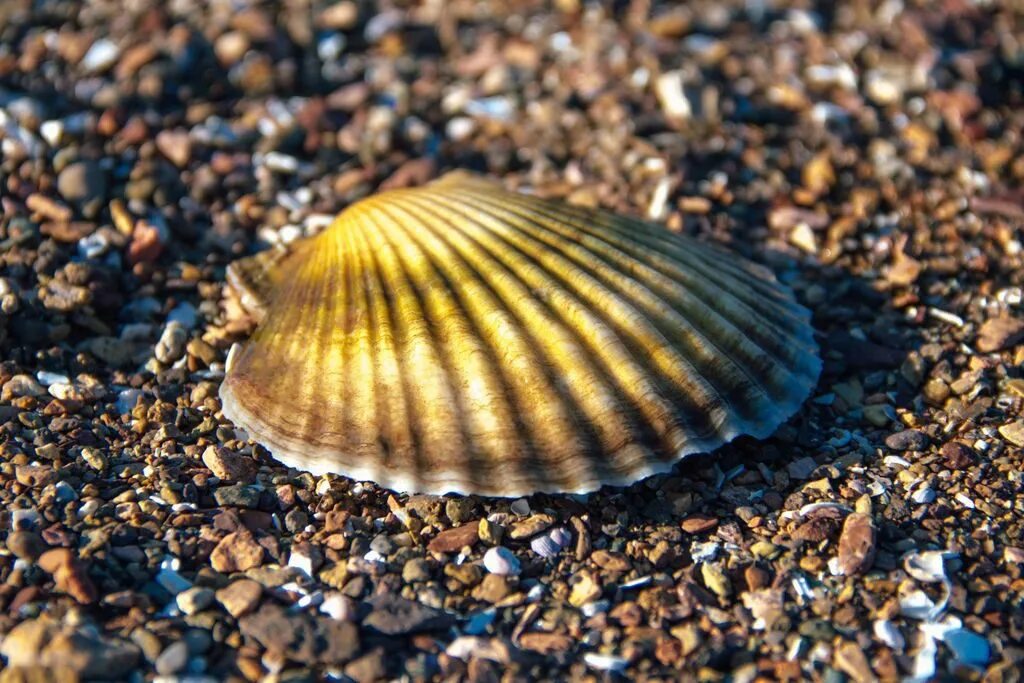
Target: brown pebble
(452, 540)
(236, 552)
(857, 544)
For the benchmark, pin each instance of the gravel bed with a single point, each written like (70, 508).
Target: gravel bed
(870, 153)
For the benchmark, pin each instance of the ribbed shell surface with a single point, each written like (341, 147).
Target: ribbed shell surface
(461, 338)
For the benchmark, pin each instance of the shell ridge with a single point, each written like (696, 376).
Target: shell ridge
(433, 394)
(657, 238)
(256, 376)
(623, 362)
(793, 355)
(644, 349)
(629, 245)
(389, 367)
(452, 259)
(699, 361)
(498, 398)
(624, 232)
(568, 351)
(361, 408)
(295, 345)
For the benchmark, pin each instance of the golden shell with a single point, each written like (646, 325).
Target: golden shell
(461, 338)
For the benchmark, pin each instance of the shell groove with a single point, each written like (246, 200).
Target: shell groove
(461, 338)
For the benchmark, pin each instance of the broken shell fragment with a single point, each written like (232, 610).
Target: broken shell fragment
(458, 337)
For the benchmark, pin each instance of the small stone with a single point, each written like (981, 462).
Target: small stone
(26, 545)
(490, 532)
(968, 647)
(369, 667)
(803, 238)
(699, 524)
(493, 589)
(878, 414)
(176, 146)
(801, 468)
(466, 574)
(689, 636)
(300, 636)
(1013, 432)
(393, 615)
(69, 574)
(585, 588)
(907, 440)
(236, 552)
(956, 455)
(502, 561)
(716, 580)
(452, 540)
(1000, 333)
(668, 87)
(82, 181)
(229, 466)
(459, 510)
(101, 55)
(530, 526)
(21, 385)
(851, 660)
(415, 570)
(173, 659)
(240, 597)
(923, 495)
(95, 458)
(146, 246)
(171, 345)
(238, 495)
(195, 599)
(857, 543)
(42, 642)
(546, 643)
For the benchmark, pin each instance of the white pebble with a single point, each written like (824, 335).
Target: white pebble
(48, 378)
(923, 496)
(501, 561)
(605, 662)
(52, 131)
(520, 507)
(101, 56)
(460, 128)
(195, 599)
(669, 89)
(338, 606)
(889, 634)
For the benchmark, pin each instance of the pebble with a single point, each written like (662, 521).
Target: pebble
(42, 642)
(1000, 333)
(173, 659)
(239, 597)
(236, 552)
(101, 56)
(171, 345)
(82, 181)
(452, 540)
(502, 561)
(857, 544)
(194, 599)
(176, 146)
(669, 89)
(393, 615)
(229, 466)
(907, 440)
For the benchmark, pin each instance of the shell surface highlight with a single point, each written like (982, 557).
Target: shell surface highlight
(458, 337)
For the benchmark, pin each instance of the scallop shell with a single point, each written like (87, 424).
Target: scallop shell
(458, 337)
